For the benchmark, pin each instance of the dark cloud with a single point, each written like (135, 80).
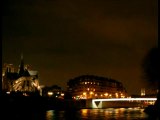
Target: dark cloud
(66, 38)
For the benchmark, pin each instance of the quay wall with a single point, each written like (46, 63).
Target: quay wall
(113, 104)
(63, 104)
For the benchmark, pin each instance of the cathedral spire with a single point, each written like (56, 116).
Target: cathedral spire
(21, 56)
(21, 71)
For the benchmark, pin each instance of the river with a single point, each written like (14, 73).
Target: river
(82, 114)
(98, 114)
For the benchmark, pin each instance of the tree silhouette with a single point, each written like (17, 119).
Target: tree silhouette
(151, 68)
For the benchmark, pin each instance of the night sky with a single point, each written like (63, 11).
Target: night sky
(63, 39)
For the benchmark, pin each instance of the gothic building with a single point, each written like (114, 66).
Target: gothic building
(23, 80)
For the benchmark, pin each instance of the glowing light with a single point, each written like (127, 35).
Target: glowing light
(84, 112)
(28, 84)
(39, 87)
(16, 81)
(62, 94)
(49, 114)
(91, 93)
(106, 94)
(143, 92)
(25, 94)
(8, 92)
(50, 93)
(84, 93)
(116, 95)
(125, 99)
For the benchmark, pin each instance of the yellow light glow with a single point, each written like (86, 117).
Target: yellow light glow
(50, 93)
(16, 81)
(122, 96)
(3, 74)
(84, 93)
(84, 112)
(116, 95)
(91, 93)
(62, 94)
(106, 94)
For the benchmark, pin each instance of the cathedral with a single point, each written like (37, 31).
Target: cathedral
(23, 80)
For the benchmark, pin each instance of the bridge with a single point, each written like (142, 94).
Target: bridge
(122, 102)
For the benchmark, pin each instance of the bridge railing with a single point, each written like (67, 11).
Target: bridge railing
(121, 102)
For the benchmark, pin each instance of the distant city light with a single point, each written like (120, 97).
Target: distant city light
(91, 93)
(50, 93)
(84, 93)
(8, 92)
(62, 94)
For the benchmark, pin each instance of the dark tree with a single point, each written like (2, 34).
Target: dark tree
(151, 68)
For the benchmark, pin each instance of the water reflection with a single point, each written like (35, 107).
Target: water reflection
(98, 114)
(49, 115)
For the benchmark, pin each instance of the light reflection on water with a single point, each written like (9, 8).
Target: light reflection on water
(98, 114)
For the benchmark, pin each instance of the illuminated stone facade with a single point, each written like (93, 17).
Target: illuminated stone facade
(20, 80)
(89, 86)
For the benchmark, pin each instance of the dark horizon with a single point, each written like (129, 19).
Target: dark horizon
(65, 39)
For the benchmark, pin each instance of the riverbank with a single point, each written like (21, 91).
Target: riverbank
(39, 103)
(29, 105)
(50, 103)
